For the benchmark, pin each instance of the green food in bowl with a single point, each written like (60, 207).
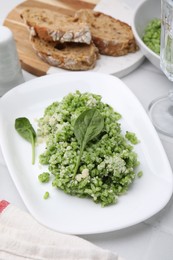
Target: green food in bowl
(151, 35)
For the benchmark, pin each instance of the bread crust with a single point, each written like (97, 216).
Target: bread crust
(74, 42)
(69, 56)
(111, 36)
(51, 26)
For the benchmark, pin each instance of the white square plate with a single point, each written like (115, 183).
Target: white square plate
(65, 213)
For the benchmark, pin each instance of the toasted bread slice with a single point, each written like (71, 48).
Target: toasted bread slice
(111, 36)
(51, 26)
(70, 56)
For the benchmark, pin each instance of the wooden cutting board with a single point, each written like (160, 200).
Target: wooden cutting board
(29, 60)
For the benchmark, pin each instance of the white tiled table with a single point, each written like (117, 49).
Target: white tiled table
(152, 239)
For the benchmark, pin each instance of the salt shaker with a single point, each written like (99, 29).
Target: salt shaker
(10, 68)
(166, 48)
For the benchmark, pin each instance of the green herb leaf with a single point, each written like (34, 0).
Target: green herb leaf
(87, 126)
(25, 129)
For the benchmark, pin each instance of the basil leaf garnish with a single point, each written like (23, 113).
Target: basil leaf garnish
(87, 126)
(25, 129)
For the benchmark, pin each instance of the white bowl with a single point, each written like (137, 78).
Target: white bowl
(143, 14)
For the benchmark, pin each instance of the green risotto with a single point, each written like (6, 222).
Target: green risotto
(151, 35)
(108, 162)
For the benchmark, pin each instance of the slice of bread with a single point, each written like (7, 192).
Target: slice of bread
(51, 26)
(111, 36)
(70, 56)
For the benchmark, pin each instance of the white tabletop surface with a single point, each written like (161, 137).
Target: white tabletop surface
(152, 239)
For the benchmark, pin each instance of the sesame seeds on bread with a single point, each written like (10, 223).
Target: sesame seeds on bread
(51, 26)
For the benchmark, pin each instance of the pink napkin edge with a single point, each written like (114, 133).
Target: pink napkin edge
(3, 205)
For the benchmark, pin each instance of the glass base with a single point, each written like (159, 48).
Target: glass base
(161, 114)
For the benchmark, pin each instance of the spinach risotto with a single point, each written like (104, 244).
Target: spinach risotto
(86, 152)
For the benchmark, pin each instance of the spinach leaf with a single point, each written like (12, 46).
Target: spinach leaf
(87, 126)
(25, 129)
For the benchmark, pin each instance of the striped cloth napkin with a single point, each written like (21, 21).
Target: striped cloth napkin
(22, 237)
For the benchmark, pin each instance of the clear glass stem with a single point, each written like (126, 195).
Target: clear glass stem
(161, 109)
(161, 114)
(166, 45)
